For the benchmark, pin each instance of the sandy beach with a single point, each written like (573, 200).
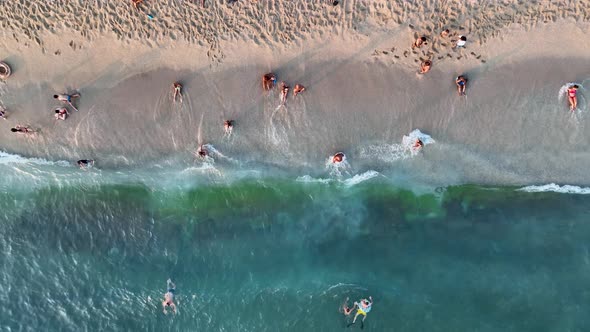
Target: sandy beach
(355, 58)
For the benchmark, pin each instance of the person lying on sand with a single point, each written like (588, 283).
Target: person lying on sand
(572, 96)
(460, 42)
(228, 126)
(61, 113)
(268, 81)
(419, 42)
(177, 92)
(85, 163)
(298, 89)
(461, 82)
(425, 66)
(445, 33)
(169, 297)
(284, 92)
(22, 129)
(338, 158)
(65, 97)
(136, 3)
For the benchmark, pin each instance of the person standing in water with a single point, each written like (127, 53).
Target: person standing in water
(338, 158)
(169, 297)
(284, 93)
(177, 92)
(85, 163)
(228, 126)
(572, 96)
(363, 308)
(268, 81)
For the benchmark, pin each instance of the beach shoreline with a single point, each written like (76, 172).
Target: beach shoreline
(363, 95)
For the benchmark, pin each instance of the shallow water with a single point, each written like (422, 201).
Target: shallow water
(281, 254)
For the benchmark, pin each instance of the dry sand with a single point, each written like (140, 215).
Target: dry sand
(355, 59)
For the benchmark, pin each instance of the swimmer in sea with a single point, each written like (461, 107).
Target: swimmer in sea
(228, 126)
(298, 89)
(418, 145)
(61, 113)
(571, 96)
(268, 81)
(461, 83)
(202, 152)
(169, 297)
(345, 309)
(338, 158)
(85, 163)
(177, 92)
(284, 93)
(363, 308)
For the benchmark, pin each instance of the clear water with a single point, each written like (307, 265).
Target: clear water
(280, 254)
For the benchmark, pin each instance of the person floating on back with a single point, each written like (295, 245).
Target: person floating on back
(67, 99)
(363, 308)
(177, 92)
(61, 113)
(169, 297)
(461, 83)
(85, 163)
(572, 96)
(298, 89)
(268, 81)
(22, 129)
(425, 66)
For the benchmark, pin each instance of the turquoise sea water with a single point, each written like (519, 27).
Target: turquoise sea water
(280, 254)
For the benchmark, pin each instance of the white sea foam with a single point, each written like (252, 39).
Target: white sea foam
(310, 179)
(394, 152)
(8, 158)
(565, 189)
(358, 178)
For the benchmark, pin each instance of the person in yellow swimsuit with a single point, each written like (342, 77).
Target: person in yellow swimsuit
(363, 308)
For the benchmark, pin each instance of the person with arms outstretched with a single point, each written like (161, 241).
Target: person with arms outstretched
(363, 308)
(169, 297)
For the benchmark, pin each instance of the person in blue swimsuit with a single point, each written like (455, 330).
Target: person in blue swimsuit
(461, 82)
(169, 297)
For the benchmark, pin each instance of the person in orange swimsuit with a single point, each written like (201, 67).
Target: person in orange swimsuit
(298, 89)
(571, 96)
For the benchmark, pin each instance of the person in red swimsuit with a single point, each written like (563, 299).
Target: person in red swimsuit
(571, 95)
(338, 158)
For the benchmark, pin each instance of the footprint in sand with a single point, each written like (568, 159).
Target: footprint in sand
(406, 53)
